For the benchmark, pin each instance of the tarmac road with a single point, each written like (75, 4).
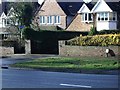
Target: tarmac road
(12, 78)
(15, 78)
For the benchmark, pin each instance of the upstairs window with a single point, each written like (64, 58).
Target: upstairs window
(57, 19)
(87, 17)
(42, 19)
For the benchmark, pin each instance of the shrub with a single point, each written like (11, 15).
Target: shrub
(93, 31)
(109, 32)
(97, 40)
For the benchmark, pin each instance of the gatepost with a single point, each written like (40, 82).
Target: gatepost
(27, 47)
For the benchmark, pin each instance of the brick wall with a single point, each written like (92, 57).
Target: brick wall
(78, 25)
(65, 50)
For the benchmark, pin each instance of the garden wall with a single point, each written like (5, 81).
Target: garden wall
(67, 50)
(6, 51)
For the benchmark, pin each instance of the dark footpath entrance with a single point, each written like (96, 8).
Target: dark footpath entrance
(44, 47)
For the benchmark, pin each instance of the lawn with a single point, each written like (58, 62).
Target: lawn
(66, 64)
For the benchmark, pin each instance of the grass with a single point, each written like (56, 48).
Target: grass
(71, 64)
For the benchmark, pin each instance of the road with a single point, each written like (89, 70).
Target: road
(14, 78)
(40, 79)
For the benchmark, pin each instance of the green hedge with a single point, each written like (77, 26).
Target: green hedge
(109, 32)
(97, 40)
(51, 35)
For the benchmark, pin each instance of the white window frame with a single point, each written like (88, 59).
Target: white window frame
(99, 16)
(57, 19)
(115, 14)
(42, 20)
(49, 19)
(88, 19)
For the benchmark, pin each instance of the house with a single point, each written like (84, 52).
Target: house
(6, 20)
(11, 20)
(2, 15)
(83, 20)
(3, 18)
(55, 13)
(103, 16)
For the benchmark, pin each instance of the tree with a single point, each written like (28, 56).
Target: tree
(27, 14)
(23, 15)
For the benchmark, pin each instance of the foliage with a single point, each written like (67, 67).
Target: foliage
(71, 64)
(109, 32)
(50, 35)
(93, 31)
(23, 11)
(27, 14)
(23, 14)
(97, 40)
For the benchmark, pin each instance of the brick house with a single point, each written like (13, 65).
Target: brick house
(102, 15)
(55, 13)
(83, 20)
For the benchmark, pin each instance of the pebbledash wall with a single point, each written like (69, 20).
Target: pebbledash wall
(6, 51)
(6, 48)
(77, 51)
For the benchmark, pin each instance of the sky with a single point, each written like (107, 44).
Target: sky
(40, 1)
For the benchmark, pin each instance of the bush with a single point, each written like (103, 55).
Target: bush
(93, 31)
(109, 32)
(97, 40)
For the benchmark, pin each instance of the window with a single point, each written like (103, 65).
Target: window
(49, 20)
(105, 16)
(9, 21)
(102, 16)
(42, 19)
(114, 16)
(87, 17)
(3, 21)
(90, 18)
(57, 19)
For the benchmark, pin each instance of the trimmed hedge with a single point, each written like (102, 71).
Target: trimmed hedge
(97, 40)
(108, 32)
(50, 35)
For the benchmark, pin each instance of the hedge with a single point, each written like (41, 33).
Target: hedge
(97, 40)
(30, 33)
(108, 32)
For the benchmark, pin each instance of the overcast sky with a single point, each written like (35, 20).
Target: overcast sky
(40, 1)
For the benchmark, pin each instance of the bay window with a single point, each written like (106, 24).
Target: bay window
(106, 16)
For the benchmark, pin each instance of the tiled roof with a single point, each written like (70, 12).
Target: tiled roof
(3, 7)
(115, 6)
(70, 8)
(0, 9)
(90, 5)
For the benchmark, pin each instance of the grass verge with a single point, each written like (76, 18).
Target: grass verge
(65, 64)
